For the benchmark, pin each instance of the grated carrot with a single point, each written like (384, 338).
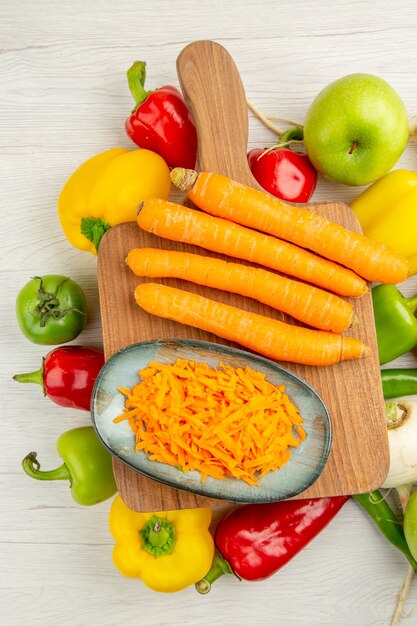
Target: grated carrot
(225, 422)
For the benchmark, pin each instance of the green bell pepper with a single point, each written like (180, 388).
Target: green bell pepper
(87, 465)
(395, 322)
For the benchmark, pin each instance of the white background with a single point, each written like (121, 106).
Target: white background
(63, 98)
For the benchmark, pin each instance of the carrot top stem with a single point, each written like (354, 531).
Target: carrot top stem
(183, 179)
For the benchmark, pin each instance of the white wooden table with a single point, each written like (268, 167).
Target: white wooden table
(63, 98)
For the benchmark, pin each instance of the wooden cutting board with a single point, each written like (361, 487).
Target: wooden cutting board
(352, 390)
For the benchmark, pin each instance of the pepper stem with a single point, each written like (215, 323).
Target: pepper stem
(219, 567)
(412, 303)
(94, 228)
(33, 377)
(136, 76)
(158, 536)
(31, 466)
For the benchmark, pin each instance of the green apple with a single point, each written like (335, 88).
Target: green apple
(356, 129)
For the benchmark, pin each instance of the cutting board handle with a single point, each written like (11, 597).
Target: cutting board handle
(214, 92)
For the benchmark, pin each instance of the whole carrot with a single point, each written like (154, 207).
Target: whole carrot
(223, 197)
(273, 339)
(178, 223)
(305, 303)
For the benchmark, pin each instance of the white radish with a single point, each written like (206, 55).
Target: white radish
(401, 415)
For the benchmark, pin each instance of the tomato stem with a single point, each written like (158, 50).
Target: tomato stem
(48, 304)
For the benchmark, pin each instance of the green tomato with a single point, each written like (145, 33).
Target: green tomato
(410, 524)
(51, 309)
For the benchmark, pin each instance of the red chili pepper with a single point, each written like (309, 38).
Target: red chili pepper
(161, 121)
(255, 540)
(67, 375)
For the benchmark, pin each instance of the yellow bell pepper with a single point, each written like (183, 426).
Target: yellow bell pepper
(106, 190)
(168, 550)
(387, 212)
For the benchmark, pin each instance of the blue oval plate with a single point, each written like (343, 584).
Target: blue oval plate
(122, 370)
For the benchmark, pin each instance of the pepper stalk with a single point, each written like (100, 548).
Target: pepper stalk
(136, 76)
(218, 568)
(31, 467)
(158, 536)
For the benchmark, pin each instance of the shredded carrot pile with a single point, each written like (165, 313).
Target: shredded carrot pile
(222, 422)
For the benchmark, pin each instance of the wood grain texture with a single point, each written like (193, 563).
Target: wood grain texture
(213, 90)
(63, 98)
(359, 458)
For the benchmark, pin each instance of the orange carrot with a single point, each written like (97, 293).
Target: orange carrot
(222, 422)
(305, 303)
(273, 339)
(178, 223)
(220, 196)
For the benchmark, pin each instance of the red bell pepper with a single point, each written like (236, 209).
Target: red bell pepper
(67, 375)
(255, 540)
(161, 121)
(283, 173)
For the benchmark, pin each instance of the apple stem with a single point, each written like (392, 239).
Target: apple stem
(353, 148)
